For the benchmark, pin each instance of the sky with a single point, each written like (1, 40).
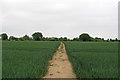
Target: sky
(59, 18)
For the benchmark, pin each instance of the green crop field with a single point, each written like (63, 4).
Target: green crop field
(93, 59)
(27, 59)
(30, 59)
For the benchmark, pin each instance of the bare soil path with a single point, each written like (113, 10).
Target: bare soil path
(60, 66)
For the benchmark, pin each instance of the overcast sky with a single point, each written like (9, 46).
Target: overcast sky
(66, 18)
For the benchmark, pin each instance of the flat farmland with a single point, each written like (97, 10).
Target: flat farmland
(93, 59)
(30, 59)
(26, 59)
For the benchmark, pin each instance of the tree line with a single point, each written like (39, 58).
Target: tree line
(38, 36)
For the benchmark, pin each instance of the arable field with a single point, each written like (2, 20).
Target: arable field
(30, 59)
(93, 59)
(27, 59)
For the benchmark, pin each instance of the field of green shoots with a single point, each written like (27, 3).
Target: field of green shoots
(28, 59)
(93, 59)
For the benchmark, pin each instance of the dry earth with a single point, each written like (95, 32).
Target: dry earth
(60, 66)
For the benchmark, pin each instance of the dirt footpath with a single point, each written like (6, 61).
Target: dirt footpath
(60, 66)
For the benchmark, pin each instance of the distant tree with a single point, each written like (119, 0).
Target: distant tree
(21, 39)
(55, 38)
(52, 39)
(44, 39)
(61, 39)
(37, 36)
(84, 37)
(13, 38)
(4, 36)
(30, 38)
(96, 38)
(107, 40)
(92, 39)
(69, 40)
(76, 39)
(111, 40)
(65, 39)
(99, 39)
(116, 39)
(26, 37)
(103, 39)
